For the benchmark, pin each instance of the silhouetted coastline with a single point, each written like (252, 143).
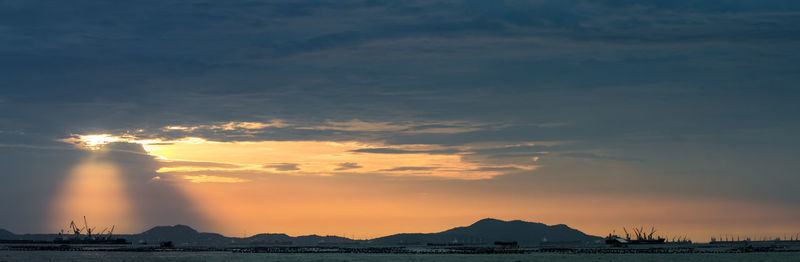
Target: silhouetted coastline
(487, 236)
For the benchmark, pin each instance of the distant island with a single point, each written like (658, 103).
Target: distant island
(485, 231)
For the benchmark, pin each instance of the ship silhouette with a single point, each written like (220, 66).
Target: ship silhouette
(641, 237)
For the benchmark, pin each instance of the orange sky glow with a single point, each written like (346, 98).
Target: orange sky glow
(301, 187)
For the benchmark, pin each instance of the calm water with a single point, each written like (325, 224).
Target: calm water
(220, 256)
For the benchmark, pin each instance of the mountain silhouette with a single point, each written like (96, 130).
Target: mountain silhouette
(185, 235)
(489, 230)
(178, 234)
(283, 239)
(5, 234)
(485, 231)
(171, 231)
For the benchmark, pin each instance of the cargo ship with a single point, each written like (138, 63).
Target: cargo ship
(641, 238)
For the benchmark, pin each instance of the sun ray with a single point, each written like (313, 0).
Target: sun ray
(94, 188)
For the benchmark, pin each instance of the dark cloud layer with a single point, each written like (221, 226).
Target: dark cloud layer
(697, 91)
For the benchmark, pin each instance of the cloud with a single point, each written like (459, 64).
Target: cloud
(194, 154)
(501, 169)
(229, 126)
(93, 142)
(180, 163)
(356, 125)
(386, 150)
(283, 166)
(551, 125)
(347, 166)
(519, 149)
(597, 156)
(409, 168)
(213, 179)
(444, 128)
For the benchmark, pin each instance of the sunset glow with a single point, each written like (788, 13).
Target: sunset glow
(362, 119)
(323, 158)
(324, 183)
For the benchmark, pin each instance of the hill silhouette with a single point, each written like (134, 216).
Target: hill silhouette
(185, 235)
(485, 231)
(5, 234)
(490, 230)
(179, 234)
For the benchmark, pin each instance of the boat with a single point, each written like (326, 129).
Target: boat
(641, 238)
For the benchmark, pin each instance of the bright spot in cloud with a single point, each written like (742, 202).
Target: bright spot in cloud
(93, 142)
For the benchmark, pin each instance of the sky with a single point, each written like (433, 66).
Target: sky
(368, 118)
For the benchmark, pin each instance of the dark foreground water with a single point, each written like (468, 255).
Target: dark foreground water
(225, 256)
